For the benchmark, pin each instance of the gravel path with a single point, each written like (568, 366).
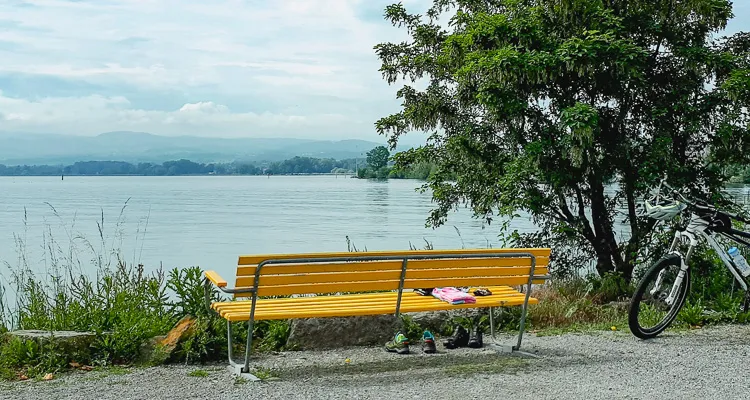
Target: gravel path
(705, 363)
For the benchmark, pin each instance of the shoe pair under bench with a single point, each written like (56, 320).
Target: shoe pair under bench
(460, 338)
(463, 338)
(400, 343)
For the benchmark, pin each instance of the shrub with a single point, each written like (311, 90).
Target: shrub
(124, 306)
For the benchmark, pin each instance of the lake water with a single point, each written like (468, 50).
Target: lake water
(210, 220)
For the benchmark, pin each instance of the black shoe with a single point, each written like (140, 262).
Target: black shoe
(460, 338)
(475, 339)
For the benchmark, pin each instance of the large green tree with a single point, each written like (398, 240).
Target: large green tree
(569, 109)
(378, 157)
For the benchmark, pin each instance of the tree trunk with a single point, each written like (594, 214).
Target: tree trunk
(606, 248)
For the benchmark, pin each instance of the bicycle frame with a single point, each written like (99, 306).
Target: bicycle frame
(698, 227)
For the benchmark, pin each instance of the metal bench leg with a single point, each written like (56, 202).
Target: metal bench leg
(230, 348)
(506, 348)
(492, 323)
(235, 368)
(242, 370)
(522, 324)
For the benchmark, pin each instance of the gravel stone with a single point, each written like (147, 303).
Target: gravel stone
(697, 364)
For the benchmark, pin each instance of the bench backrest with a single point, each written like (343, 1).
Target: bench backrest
(384, 275)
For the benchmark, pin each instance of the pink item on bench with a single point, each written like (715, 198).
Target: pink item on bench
(453, 295)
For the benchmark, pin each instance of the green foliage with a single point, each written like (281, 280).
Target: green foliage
(271, 335)
(124, 306)
(295, 165)
(198, 373)
(692, 314)
(738, 173)
(611, 287)
(421, 171)
(710, 277)
(263, 373)
(33, 358)
(370, 173)
(378, 157)
(208, 340)
(411, 329)
(537, 106)
(190, 292)
(574, 303)
(309, 165)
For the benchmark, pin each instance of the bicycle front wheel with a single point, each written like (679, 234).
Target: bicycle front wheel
(651, 308)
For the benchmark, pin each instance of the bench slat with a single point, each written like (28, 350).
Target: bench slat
(314, 303)
(271, 269)
(255, 259)
(473, 272)
(284, 290)
(470, 281)
(298, 279)
(346, 298)
(379, 303)
(343, 277)
(349, 311)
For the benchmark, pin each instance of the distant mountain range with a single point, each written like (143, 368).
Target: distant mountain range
(134, 147)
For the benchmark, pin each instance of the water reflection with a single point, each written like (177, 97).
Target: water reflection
(377, 195)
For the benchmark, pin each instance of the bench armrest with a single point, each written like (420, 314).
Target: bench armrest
(217, 280)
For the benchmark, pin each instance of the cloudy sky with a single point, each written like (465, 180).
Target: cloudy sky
(252, 68)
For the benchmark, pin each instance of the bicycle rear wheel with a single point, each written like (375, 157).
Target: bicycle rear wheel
(650, 313)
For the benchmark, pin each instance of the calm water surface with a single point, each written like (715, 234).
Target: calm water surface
(209, 221)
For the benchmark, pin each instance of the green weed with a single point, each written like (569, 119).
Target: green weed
(32, 358)
(692, 314)
(271, 335)
(198, 373)
(264, 374)
(411, 329)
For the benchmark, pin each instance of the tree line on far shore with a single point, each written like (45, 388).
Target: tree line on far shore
(292, 166)
(296, 165)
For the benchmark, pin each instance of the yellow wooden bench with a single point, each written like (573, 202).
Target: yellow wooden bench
(385, 277)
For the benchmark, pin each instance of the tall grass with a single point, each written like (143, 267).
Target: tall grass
(83, 284)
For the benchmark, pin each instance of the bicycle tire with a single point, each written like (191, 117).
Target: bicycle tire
(648, 278)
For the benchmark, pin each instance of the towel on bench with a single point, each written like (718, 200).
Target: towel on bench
(453, 295)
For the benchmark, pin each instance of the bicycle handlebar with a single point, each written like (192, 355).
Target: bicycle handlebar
(707, 205)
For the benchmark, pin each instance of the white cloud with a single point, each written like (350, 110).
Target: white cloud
(220, 67)
(240, 65)
(96, 114)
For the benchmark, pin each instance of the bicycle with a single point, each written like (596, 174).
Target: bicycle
(706, 222)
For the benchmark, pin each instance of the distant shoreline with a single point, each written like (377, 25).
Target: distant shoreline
(183, 167)
(173, 176)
